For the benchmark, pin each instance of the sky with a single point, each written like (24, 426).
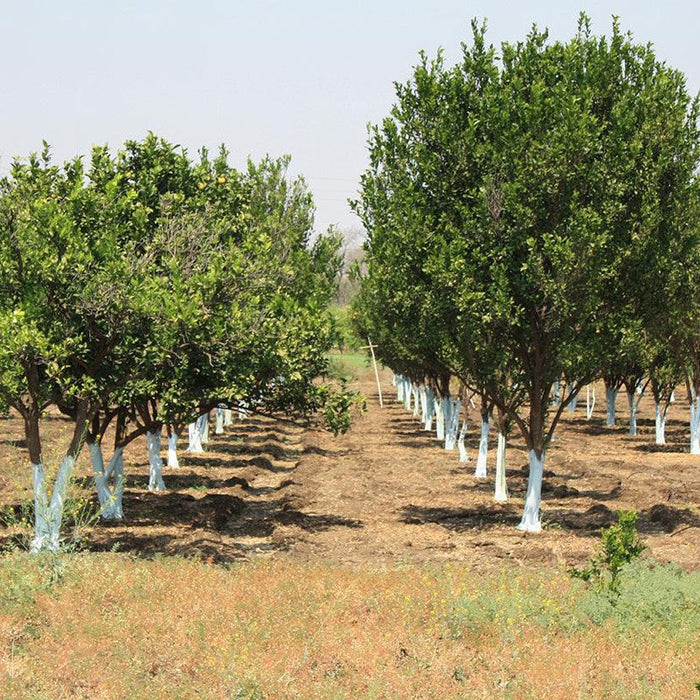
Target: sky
(298, 77)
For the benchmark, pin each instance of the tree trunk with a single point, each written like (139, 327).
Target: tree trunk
(590, 401)
(429, 409)
(195, 441)
(416, 401)
(610, 398)
(452, 422)
(155, 463)
(110, 498)
(660, 422)
(440, 418)
(461, 446)
(530, 521)
(633, 412)
(219, 420)
(501, 487)
(173, 461)
(695, 423)
(204, 428)
(480, 471)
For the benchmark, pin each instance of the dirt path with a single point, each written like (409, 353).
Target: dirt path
(403, 498)
(388, 493)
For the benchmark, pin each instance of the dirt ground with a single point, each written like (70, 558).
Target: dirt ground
(387, 492)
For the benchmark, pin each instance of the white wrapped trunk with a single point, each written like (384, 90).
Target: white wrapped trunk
(480, 471)
(590, 401)
(416, 401)
(195, 439)
(501, 488)
(461, 445)
(610, 398)
(204, 428)
(660, 423)
(452, 422)
(155, 463)
(439, 418)
(530, 521)
(228, 417)
(695, 425)
(633, 412)
(429, 409)
(219, 421)
(109, 496)
(49, 514)
(556, 393)
(173, 461)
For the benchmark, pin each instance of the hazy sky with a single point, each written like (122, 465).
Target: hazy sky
(263, 76)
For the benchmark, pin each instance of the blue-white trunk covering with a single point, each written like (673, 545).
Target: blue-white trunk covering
(204, 428)
(228, 417)
(694, 424)
(572, 404)
(556, 393)
(49, 514)
(429, 409)
(530, 521)
(242, 411)
(610, 397)
(416, 401)
(461, 445)
(110, 497)
(219, 420)
(155, 463)
(660, 422)
(195, 437)
(501, 488)
(439, 417)
(454, 407)
(173, 461)
(480, 471)
(590, 401)
(398, 381)
(407, 393)
(633, 412)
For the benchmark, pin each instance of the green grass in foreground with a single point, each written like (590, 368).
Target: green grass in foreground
(111, 626)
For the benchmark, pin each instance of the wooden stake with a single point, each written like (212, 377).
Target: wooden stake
(376, 372)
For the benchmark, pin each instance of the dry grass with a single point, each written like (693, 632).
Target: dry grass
(118, 627)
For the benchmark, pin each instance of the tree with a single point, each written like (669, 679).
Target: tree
(527, 198)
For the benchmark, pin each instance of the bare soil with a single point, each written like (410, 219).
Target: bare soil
(388, 493)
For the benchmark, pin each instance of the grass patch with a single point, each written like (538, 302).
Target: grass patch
(114, 626)
(347, 365)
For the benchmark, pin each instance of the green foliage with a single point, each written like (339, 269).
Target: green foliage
(654, 598)
(345, 337)
(522, 208)
(339, 406)
(619, 546)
